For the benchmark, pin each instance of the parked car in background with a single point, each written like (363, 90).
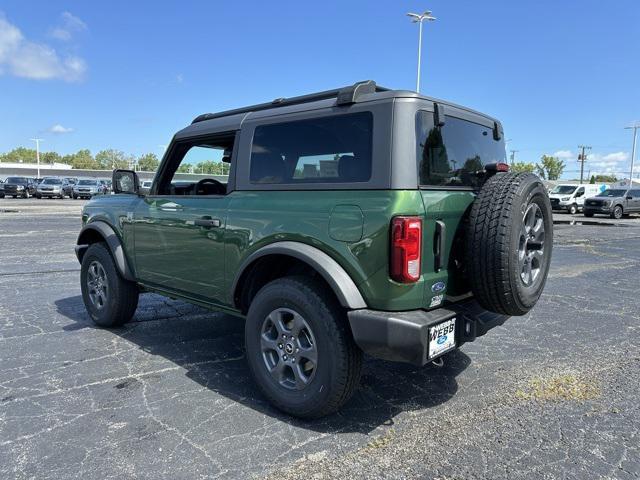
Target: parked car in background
(23, 187)
(1, 188)
(38, 180)
(52, 187)
(570, 198)
(104, 186)
(87, 188)
(615, 202)
(145, 187)
(70, 183)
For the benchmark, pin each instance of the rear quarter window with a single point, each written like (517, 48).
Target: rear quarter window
(334, 149)
(454, 154)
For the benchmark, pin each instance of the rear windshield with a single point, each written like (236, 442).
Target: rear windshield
(52, 181)
(564, 189)
(454, 155)
(87, 182)
(334, 149)
(17, 180)
(612, 193)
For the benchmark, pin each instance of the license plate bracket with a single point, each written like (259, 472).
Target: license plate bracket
(442, 338)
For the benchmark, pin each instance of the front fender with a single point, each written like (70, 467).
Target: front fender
(87, 236)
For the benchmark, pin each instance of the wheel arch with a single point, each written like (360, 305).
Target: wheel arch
(287, 257)
(100, 231)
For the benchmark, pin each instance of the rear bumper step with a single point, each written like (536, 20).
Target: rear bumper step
(403, 336)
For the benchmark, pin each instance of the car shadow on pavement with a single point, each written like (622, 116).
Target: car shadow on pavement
(209, 346)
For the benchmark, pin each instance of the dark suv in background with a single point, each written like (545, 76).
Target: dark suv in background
(615, 202)
(23, 187)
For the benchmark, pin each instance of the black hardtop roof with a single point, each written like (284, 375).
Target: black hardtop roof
(360, 91)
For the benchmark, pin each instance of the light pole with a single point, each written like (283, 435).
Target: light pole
(633, 127)
(37, 140)
(415, 18)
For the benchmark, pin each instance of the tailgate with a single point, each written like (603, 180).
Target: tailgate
(443, 244)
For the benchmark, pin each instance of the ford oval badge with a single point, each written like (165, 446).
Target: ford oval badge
(442, 339)
(438, 287)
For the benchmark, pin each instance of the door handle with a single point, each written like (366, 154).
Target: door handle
(439, 244)
(207, 222)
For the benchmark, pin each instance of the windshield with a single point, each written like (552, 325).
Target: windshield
(612, 193)
(87, 182)
(16, 180)
(564, 189)
(52, 181)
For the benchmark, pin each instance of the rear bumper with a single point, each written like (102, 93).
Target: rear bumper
(403, 336)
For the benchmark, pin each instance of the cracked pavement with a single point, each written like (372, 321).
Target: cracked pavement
(553, 394)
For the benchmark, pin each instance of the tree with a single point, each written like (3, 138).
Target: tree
(522, 167)
(50, 157)
(19, 155)
(550, 168)
(605, 179)
(148, 162)
(81, 159)
(111, 159)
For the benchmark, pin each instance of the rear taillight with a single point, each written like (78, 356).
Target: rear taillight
(406, 242)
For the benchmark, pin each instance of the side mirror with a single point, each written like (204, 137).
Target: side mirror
(125, 181)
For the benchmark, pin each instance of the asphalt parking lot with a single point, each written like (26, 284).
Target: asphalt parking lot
(553, 394)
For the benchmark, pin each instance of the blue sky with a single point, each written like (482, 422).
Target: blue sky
(127, 75)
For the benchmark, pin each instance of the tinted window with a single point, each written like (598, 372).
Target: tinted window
(454, 154)
(17, 180)
(564, 189)
(634, 193)
(333, 149)
(87, 182)
(52, 181)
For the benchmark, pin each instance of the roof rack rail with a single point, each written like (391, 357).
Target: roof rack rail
(343, 96)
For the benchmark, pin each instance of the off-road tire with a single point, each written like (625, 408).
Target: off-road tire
(122, 295)
(494, 242)
(617, 212)
(339, 360)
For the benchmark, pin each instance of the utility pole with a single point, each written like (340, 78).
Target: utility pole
(582, 158)
(633, 127)
(513, 156)
(38, 140)
(415, 18)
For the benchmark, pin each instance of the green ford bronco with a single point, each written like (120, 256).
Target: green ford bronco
(353, 220)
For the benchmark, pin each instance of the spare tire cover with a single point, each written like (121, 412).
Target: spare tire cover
(509, 243)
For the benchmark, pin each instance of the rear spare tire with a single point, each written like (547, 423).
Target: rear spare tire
(509, 243)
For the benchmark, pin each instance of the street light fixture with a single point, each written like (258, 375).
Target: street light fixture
(419, 18)
(635, 128)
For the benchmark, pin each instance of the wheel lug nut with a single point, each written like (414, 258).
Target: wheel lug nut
(297, 350)
(291, 338)
(284, 336)
(293, 360)
(285, 357)
(280, 346)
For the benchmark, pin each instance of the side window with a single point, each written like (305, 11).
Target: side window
(334, 149)
(580, 192)
(454, 154)
(199, 167)
(634, 193)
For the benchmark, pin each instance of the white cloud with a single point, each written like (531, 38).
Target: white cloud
(69, 25)
(179, 78)
(565, 155)
(59, 129)
(27, 59)
(610, 162)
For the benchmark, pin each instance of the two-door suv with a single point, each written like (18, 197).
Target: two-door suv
(354, 220)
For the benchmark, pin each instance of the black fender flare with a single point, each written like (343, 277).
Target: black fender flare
(338, 279)
(113, 242)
